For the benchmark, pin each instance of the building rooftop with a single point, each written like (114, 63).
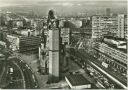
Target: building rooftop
(110, 43)
(77, 80)
(115, 47)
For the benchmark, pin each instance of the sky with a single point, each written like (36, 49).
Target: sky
(67, 6)
(57, 2)
(12, 2)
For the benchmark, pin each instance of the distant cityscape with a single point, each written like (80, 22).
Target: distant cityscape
(64, 50)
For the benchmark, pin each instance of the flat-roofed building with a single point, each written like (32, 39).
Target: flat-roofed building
(103, 25)
(112, 56)
(122, 26)
(77, 81)
(113, 52)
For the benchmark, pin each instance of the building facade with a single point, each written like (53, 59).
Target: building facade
(120, 31)
(114, 53)
(113, 58)
(65, 35)
(122, 26)
(103, 25)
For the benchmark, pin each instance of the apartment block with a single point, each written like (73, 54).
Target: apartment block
(103, 25)
(122, 26)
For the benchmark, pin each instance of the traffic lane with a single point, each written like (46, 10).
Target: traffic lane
(117, 86)
(117, 76)
(31, 82)
(30, 78)
(84, 56)
(15, 77)
(111, 72)
(13, 74)
(91, 58)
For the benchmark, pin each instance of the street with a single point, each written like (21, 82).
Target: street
(18, 76)
(11, 76)
(83, 57)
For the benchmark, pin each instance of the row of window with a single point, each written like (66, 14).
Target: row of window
(113, 53)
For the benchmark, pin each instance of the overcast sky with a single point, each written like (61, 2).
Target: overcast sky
(7, 2)
(68, 6)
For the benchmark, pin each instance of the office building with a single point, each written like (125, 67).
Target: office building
(65, 35)
(122, 26)
(103, 25)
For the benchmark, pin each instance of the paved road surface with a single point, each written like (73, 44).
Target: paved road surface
(30, 79)
(86, 57)
(11, 77)
(22, 76)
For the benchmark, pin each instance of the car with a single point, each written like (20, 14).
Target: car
(11, 70)
(124, 74)
(115, 69)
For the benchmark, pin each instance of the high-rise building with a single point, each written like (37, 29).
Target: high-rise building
(122, 26)
(103, 25)
(96, 31)
(125, 27)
